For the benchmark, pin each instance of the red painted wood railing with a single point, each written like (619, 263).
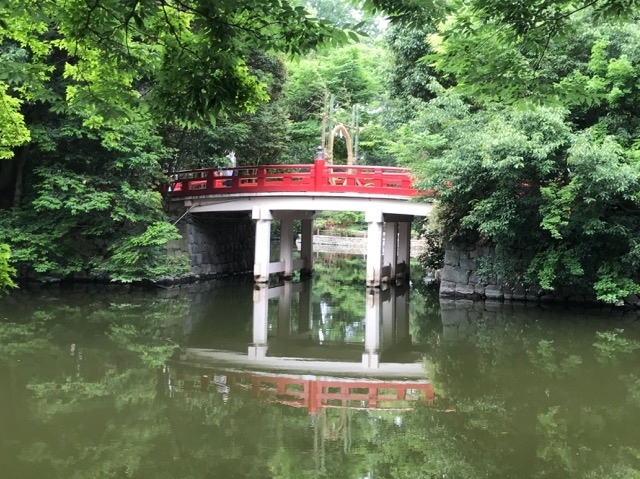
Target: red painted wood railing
(314, 178)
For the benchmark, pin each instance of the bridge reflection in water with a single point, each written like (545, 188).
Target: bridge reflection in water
(290, 363)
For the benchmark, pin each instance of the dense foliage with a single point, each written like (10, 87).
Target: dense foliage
(6, 270)
(98, 99)
(532, 142)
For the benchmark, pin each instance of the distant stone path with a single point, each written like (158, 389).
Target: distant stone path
(354, 245)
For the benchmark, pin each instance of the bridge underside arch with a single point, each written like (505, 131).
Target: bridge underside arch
(388, 229)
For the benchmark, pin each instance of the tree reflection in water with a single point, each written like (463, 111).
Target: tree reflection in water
(520, 392)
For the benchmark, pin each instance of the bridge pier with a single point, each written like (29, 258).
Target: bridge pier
(286, 265)
(388, 248)
(261, 264)
(286, 246)
(258, 349)
(373, 318)
(306, 246)
(390, 254)
(404, 250)
(375, 232)
(386, 323)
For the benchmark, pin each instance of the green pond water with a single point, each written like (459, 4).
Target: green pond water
(325, 379)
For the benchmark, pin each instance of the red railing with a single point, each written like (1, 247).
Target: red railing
(314, 178)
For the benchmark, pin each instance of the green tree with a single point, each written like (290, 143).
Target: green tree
(13, 131)
(257, 137)
(90, 97)
(569, 169)
(555, 204)
(497, 52)
(351, 75)
(407, 74)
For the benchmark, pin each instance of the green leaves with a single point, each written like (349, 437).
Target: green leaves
(612, 344)
(556, 209)
(554, 189)
(526, 51)
(7, 272)
(613, 285)
(142, 256)
(13, 131)
(85, 89)
(74, 192)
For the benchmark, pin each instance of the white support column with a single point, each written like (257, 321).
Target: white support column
(404, 245)
(371, 355)
(286, 246)
(263, 245)
(374, 247)
(258, 349)
(391, 249)
(306, 246)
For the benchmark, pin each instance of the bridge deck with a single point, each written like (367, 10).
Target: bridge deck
(388, 205)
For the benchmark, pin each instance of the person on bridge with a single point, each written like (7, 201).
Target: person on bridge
(231, 163)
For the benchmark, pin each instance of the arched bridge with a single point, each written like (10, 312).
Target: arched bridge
(298, 192)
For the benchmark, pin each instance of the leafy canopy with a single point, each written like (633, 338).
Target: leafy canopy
(170, 61)
(92, 95)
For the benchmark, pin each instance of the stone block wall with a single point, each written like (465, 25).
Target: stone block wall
(355, 245)
(459, 280)
(458, 277)
(216, 245)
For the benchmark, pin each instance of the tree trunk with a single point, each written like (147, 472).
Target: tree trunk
(7, 182)
(22, 161)
(11, 174)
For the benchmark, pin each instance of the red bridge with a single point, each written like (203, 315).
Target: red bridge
(318, 177)
(288, 193)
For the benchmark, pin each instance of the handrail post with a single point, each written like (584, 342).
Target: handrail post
(319, 165)
(260, 177)
(319, 173)
(211, 181)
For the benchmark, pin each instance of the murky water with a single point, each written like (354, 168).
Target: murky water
(320, 379)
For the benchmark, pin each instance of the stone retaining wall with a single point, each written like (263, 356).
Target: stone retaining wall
(458, 277)
(459, 280)
(216, 245)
